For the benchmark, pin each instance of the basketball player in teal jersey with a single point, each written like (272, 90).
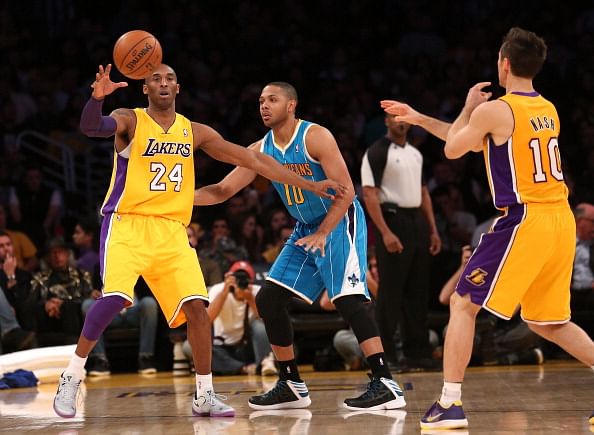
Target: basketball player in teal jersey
(327, 250)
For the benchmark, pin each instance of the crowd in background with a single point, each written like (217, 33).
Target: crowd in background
(342, 59)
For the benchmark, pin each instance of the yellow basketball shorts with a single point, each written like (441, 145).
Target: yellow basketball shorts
(157, 249)
(527, 260)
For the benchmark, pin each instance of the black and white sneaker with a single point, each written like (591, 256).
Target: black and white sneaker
(382, 393)
(284, 395)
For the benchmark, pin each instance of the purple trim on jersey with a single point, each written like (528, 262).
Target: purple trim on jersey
(118, 186)
(483, 267)
(526, 94)
(105, 226)
(501, 175)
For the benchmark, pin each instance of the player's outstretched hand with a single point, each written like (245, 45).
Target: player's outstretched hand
(476, 96)
(402, 112)
(103, 85)
(321, 188)
(314, 242)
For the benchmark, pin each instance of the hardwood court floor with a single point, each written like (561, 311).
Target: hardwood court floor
(554, 398)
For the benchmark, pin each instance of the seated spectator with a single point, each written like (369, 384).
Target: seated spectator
(582, 278)
(281, 237)
(35, 208)
(143, 314)
(497, 341)
(248, 234)
(211, 270)
(85, 238)
(277, 219)
(59, 292)
(16, 283)
(24, 250)
(240, 343)
(345, 342)
(13, 337)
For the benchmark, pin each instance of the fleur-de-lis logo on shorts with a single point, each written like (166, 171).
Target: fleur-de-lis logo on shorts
(353, 280)
(477, 276)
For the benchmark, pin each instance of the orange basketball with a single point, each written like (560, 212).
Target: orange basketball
(136, 53)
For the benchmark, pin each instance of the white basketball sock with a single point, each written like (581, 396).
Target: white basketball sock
(450, 393)
(76, 366)
(203, 383)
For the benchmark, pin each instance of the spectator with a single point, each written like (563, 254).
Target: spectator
(13, 337)
(24, 250)
(248, 234)
(36, 208)
(85, 240)
(282, 236)
(582, 278)
(16, 283)
(142, 314)
(60, 291)
(238, 329)
(211, 271)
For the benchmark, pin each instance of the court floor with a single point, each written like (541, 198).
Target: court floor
(550, 399)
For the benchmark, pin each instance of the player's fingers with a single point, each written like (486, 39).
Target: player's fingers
(387, 103)
(108, 68)
(121, 84)
(481, 85)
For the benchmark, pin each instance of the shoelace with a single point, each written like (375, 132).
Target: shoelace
(275, 390)
(66, 390)
(212, 396)
(373, 387)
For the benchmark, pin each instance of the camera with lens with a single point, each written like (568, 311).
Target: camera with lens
(242, 279)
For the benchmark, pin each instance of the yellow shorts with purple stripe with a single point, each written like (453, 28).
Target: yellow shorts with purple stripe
(526, 260)
(157, 249)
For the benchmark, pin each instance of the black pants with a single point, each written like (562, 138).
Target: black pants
(404, 284)
(65, 330)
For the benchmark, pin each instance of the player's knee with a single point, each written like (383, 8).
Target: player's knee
(195, 310)
(353, 309)
(272, 300)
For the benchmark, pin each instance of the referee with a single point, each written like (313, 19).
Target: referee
(400, 207)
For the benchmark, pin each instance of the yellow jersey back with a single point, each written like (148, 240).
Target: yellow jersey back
(154, 175)
(527, 168)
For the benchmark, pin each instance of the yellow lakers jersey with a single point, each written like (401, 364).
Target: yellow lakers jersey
(154, 175)
(527, 168)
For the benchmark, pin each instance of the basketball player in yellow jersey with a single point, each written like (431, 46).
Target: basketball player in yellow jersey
(145, 214)
(526, 257)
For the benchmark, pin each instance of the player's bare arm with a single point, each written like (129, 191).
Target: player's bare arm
(236, 180)
(404, 112)
(322, 146)
(469, 131)
(212, 143)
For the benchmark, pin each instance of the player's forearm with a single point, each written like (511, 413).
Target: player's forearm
(271, 169)
(435, 126)
(210, 195)
(336, 212)
(93, 123)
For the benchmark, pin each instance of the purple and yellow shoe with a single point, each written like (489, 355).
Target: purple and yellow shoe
(440, 417)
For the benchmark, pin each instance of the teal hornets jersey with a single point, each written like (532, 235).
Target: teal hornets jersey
(303, 205)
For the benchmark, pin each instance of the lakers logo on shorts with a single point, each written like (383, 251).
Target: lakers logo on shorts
(477, 276)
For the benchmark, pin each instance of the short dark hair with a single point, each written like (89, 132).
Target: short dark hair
(525, 50)
(288, 88)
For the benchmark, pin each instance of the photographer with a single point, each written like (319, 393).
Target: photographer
(240, 344)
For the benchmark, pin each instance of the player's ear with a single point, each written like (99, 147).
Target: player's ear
(144, 89)
(292, 106)
(177, 88)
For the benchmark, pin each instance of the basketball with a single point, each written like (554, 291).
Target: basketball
(136, 53)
